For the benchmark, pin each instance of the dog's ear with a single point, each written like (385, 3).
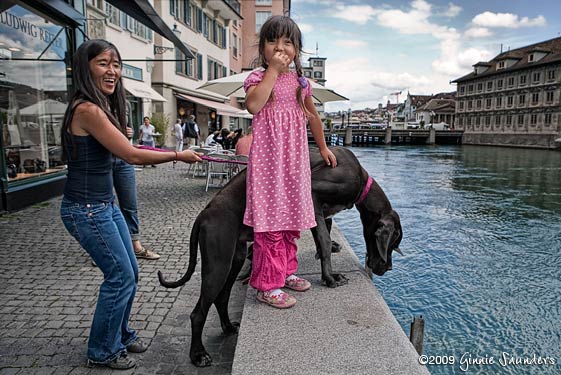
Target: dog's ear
(384, 236)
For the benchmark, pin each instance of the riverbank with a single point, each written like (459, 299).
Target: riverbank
(345, 330)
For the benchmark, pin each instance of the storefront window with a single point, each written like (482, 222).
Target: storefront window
(33, 92)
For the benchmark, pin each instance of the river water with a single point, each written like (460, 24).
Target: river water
(482, 244)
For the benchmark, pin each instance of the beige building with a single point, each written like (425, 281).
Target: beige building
(513, 99)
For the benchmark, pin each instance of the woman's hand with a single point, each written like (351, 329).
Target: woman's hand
(189, 156)
(329, 157)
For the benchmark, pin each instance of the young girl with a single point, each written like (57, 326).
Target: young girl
(279, 195)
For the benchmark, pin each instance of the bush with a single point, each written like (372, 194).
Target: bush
(161, 123)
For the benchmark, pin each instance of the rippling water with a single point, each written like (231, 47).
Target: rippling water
(482, 239)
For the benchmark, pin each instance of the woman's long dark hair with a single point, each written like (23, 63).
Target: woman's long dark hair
(283, 27)
(114, 105)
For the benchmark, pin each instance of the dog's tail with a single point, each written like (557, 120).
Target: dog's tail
(193, 248)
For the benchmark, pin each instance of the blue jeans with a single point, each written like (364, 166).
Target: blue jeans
(101, 230)
(124, 181)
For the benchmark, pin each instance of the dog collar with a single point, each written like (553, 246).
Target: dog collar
(365, 190)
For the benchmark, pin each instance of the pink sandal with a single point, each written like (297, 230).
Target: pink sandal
(298, 284)
(281, 301)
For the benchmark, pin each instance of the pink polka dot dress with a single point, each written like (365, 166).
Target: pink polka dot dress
(279, 193)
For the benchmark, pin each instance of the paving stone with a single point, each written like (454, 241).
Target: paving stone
(48, 297)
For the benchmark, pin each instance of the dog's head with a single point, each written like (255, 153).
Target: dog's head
(382, 238)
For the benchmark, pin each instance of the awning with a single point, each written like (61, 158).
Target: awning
(144, 12)
(142, 90)
(221, 108)
(70, 15)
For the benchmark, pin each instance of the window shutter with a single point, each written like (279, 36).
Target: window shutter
(172, 7)
(178, 64)
(199, 20)
(199, 66)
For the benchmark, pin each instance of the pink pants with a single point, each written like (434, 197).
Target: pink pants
(274, 258)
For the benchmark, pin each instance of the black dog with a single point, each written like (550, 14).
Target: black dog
(222, 236)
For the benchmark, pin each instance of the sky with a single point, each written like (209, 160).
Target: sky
(376, 48)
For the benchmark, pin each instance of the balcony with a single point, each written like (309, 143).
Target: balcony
(227, 9)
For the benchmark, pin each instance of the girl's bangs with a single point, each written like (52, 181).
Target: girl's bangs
(284, 27)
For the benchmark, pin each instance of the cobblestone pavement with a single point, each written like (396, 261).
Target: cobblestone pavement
(49, 287)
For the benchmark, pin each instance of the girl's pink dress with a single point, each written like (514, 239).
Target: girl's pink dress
(279, 193)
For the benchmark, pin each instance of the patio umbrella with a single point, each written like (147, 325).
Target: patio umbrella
(233, 86)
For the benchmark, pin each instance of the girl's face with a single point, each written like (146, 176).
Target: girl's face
(283, 45)
(105, 69)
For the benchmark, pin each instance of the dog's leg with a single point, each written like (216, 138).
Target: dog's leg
(213, 279)
(323, 246)
(335, 246)
(223, 298)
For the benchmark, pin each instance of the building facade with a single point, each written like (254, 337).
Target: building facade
(513, 99)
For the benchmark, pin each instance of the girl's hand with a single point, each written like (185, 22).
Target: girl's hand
(279, 62)
(189, 156)
(329, 157)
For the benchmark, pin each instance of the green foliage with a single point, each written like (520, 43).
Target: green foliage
(161, 122)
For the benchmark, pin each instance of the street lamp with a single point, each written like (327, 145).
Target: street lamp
(158, 50)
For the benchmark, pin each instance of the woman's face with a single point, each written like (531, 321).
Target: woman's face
(105, 69)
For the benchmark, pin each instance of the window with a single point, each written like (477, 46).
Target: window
(462, 89)
(461, 121)
(307, 74)
(318, 75)
(470, 104)
(488, 121)
(187, 13)
(174, 7)
(551, 75)
(547, 119)
(549, 96)
(531, 57)
(510, 101)
(470, 89)
(523, 80)
(500, 65)
(489, 85)
(478, 104)
(509, 120)
(263, 2)
(535, 97)
(521, 99)
(461, 106)
(318, 63)
(488, 103)
(497, 120)
(499, 84)
(536, 77)
(533, 119)
(260, 18)
(477, 121)
(187, 67)
(499, 102)
(520, 119)
(510, 81)
(112, 14)
(479, 87)
(215, 70)
(234, 45)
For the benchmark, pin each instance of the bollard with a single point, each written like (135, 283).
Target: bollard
(417, 333)
(348, 137)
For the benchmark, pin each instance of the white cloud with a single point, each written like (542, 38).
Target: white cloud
(305, 28)
(478, 32)
(508, 20)
(453, 10)
(414, 21)
(350, 43)
(359, 14)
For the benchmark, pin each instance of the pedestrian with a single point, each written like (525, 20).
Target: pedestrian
(244, 143)
(124, 181)
(279, 195)
(191, 131)
(146, 134)
(178, 132)
(90, 135)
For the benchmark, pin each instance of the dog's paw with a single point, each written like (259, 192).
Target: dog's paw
(231, 329)
(335, 247)
(340, 279)
(201, 358)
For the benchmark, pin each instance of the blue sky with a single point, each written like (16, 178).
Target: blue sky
(374, 48)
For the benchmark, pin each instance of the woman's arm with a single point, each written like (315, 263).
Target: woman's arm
(90, 119)
(317, 131)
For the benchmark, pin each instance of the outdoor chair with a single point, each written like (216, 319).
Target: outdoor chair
(218, 172)
(237, 168)
(199, 169)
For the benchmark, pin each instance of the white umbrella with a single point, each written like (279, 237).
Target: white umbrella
(233, 86)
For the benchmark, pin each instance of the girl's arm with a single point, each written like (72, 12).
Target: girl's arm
(257, 96)
(90, 119)
(317, 131)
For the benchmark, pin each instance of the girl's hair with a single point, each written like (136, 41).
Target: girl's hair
(85, 90)
(283, 27)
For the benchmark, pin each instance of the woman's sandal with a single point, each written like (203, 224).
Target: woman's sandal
(280, 301)
(144, 253)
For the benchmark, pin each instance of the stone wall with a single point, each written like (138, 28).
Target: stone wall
(513, 139)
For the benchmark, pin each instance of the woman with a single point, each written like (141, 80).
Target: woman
(91, 134)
